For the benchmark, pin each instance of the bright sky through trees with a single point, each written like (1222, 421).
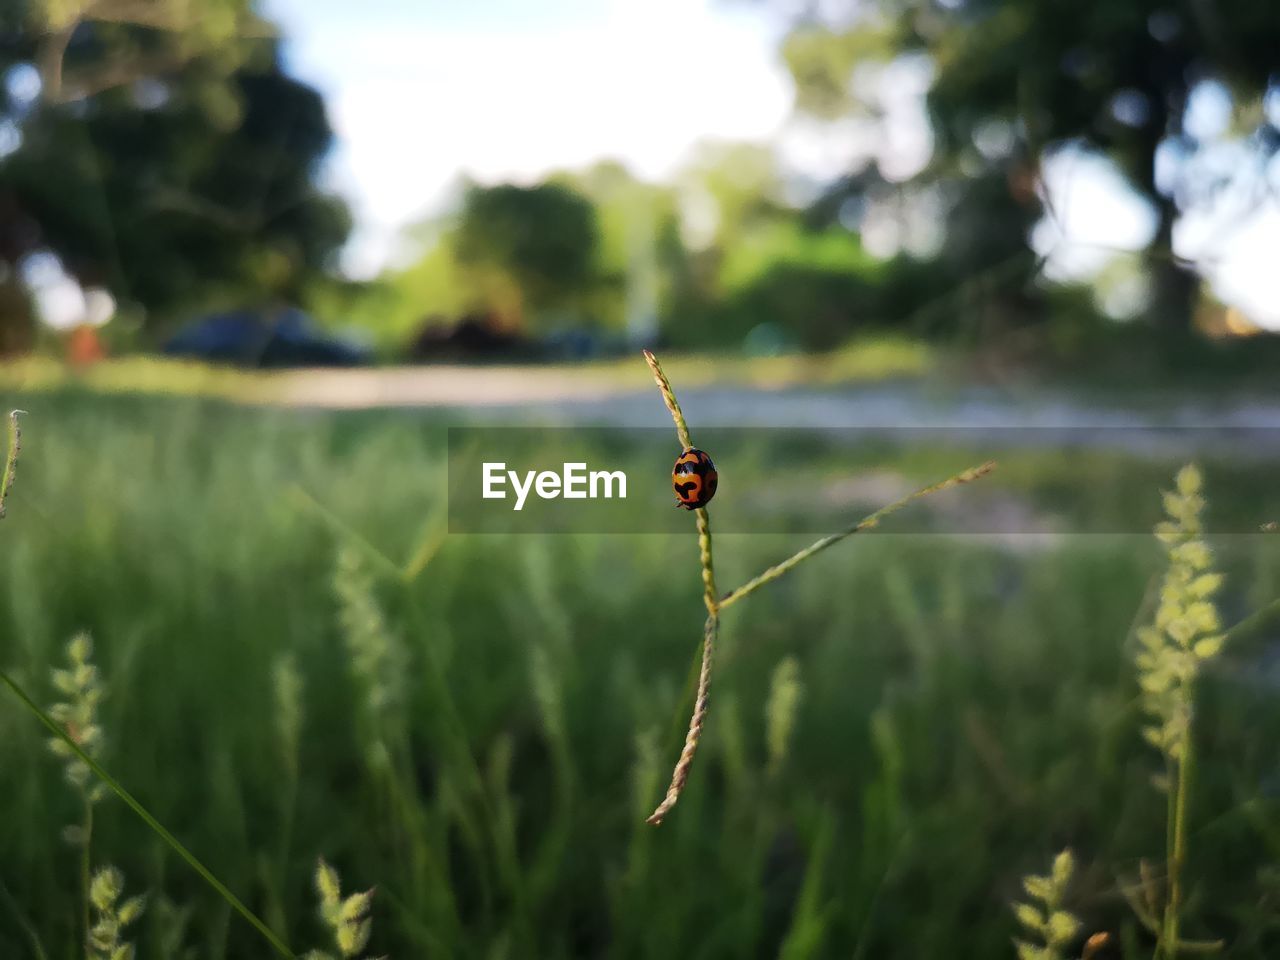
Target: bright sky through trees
(422, 92)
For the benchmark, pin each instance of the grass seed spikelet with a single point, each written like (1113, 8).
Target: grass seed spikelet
(347, 918)
(111, 916)
(1050, 929)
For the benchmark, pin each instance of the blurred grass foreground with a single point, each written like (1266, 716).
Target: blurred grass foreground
(295, 663)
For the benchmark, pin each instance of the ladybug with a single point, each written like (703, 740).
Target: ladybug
(694, 479)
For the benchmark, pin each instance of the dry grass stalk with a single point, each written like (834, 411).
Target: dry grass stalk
(866, 523)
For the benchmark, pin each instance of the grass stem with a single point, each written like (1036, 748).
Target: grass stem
(681, 773)
(1178, 852)
(866, 523)
(86, 867)
(711, 628)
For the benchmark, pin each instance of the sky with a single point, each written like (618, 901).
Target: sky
(510, 89)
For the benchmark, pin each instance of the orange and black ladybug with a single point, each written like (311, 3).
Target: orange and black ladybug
(694, 479)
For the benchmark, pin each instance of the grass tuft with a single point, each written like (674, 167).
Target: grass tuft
(79, 739)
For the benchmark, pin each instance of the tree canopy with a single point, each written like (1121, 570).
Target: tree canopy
(539, 242)
(1015, 79)
(163, 153)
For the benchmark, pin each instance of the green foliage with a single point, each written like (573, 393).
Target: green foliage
(822, 61)
(128, 41)
(737, 185)
(711, 257)
(816, 307)
(197, 192)
(642, 262)
(785, 242)
(528, 257)
(1012, 80)
(529, 249)
(816, 287)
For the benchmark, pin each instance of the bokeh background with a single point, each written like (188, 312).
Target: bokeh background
(258, 256)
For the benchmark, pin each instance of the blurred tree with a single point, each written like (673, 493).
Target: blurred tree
(527, 249)
(641, 262)
(731, 187)
(1014, 78)
(161, 152)
(728, 194)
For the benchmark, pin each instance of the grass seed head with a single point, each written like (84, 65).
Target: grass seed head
(347, 919)
(376, 655)
(1051, 928)
(1186, 630)
(110, 916)
(82, 689)
(785, 693)
(286, 683)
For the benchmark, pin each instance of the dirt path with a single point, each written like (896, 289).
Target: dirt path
(440, 386)
(915, 408)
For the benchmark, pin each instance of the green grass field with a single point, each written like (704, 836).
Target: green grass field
(960, 710)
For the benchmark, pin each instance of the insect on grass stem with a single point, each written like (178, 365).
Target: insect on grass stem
(715, 603)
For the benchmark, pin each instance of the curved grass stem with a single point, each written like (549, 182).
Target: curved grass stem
(680, 775)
